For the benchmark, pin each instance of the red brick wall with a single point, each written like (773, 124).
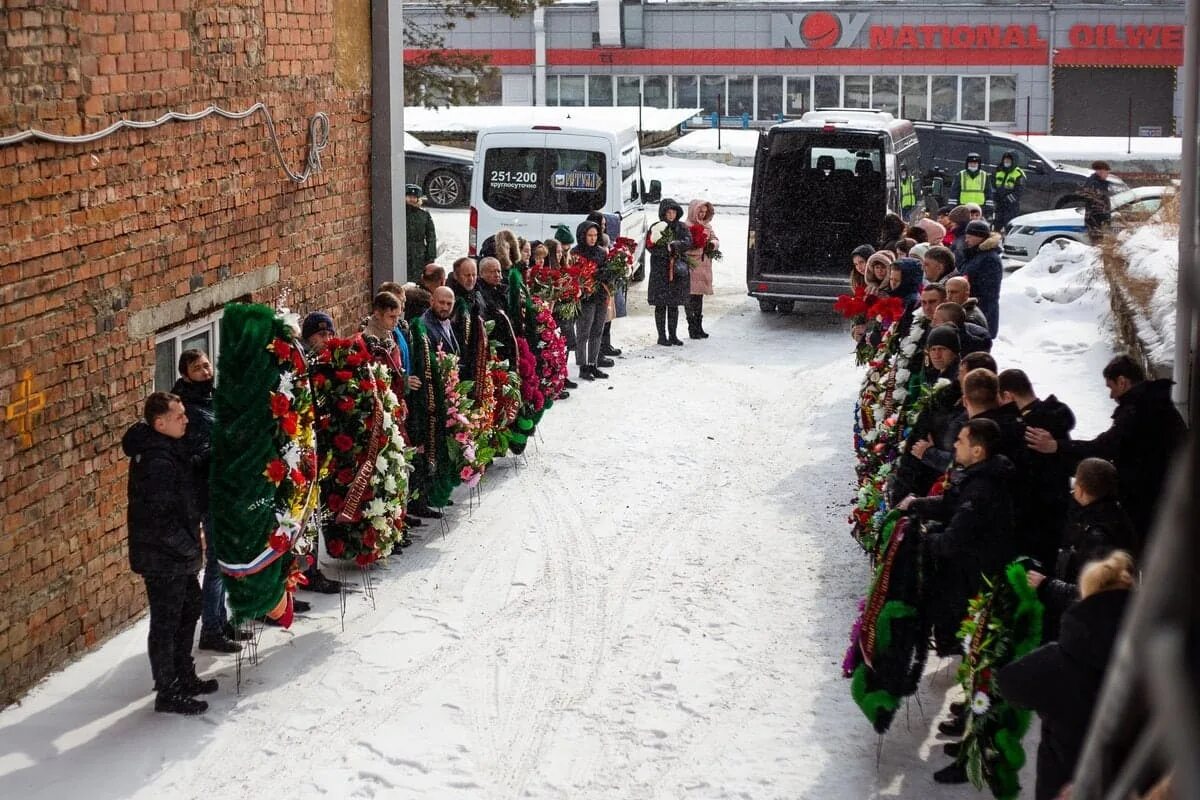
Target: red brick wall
(95, 233)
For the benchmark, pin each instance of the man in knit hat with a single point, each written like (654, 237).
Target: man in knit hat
(315, 332)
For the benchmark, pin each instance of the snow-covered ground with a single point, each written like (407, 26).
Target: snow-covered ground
(654, 603)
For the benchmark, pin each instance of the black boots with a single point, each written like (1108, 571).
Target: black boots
(695, 317)
(218, 643)
(177, 699)
(673, 325)
(660, 321)
(606, 348)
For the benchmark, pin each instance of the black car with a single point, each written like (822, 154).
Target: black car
(444, 173)
(944, 148)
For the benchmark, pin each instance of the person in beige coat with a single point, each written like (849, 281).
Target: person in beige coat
(700, 213)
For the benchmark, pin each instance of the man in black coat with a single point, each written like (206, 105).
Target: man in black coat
(933, 427)
(1146, 429)
(1044, 482)
(1096, 525)
(974, 338)
(982, 267)
(968, 528)
(164, 548)
(469, 313)
(195, 389)
(1097, 209)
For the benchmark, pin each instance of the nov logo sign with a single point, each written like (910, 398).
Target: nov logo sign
(818, 30)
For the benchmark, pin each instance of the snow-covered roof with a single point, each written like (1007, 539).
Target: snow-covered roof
(469, 119)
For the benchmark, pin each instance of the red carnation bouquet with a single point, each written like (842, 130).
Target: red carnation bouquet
(619, 264)
(552, 284)
(856, 307)
(582, 273)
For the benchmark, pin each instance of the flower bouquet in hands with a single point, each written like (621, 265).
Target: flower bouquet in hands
(582, 273)
(855, 308)
(619, 265)
(552, 284)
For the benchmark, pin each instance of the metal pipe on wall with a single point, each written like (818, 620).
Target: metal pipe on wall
(1187, 349)
(539, 56)
(1050, 69)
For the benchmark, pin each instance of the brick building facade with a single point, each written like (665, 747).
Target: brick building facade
(116, 252)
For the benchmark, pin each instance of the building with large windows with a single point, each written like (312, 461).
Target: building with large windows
(1017, 65)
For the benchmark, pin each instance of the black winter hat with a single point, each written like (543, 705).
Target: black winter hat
(978, 227)
(944, 336)
(863, 250)
(316, 322)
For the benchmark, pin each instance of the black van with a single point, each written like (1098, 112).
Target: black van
(1048, 185)
(821, 187)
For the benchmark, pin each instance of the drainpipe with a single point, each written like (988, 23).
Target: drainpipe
(388, 248)
(1187, 349)
(1050, 67)
(539, 56)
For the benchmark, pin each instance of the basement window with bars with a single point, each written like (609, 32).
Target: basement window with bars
(200, 334)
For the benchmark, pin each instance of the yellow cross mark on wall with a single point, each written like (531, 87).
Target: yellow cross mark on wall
(25, 406)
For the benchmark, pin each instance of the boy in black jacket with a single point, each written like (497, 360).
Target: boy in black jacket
(1096, 525)
(164, 548)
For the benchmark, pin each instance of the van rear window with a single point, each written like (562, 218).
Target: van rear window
(548, 181)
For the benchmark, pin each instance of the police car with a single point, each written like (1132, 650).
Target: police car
(1026, 234)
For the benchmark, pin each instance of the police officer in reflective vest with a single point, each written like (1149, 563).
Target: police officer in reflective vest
(908, 194)
(971, 185)
(1008, 183)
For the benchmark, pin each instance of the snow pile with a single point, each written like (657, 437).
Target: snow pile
(473, 118)
(1110, 148)
(740, 143)
(1052, 326)
(1152, 258)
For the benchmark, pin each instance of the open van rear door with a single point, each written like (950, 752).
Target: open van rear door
(760, 162)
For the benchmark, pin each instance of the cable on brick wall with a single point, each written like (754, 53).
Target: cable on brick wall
(318, 134)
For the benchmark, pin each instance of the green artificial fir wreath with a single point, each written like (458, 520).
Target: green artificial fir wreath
(263, 465)
(887, 645)
(1004, 623)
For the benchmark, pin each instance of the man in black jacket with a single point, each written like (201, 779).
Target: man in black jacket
(1097, 209)
(195, 389)
(968, 529)
(1096, 525)
(164, 548)
(1146, 429)
(968, 535)
(1044, 482)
